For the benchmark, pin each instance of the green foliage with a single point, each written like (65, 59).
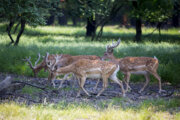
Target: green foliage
(95, 7)
(30, 90)
(153, 10)
(33, 11)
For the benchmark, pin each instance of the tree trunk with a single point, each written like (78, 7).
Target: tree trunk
(159, 27)
(74, 21)
(23, 22)
(138, 24)
(175, 20)
(16, 27)
(91, 27)
(11, 23)
(50, 20)
(125, 20)
(175, 17)
(63, 19)
(138, 30)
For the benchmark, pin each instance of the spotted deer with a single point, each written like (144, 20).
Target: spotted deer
(134, 65)
(86, 68)
(64, 61)
(38, 67)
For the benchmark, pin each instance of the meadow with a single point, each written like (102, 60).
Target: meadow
(72, 40)
(147, 110)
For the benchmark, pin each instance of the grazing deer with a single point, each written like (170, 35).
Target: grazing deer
(134, 65)
(36, 68)
(86, 68)
(65, 61)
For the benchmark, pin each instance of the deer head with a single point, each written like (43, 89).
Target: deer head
(109, 50)
(51, 64)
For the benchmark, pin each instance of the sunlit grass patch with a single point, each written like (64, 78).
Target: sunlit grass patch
(73, 111)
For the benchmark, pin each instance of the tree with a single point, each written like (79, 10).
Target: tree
(176, 13)
(31, 12)
(150, 10)
(98, 13)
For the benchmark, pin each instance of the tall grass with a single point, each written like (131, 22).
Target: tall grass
(71, 40)
(148, 110)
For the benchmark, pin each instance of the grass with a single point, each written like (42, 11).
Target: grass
(148, 110)
(30, 90)
(71, 40)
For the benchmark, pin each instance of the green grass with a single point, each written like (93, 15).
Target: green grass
(30, 90)
(148, 110)
(72, 40)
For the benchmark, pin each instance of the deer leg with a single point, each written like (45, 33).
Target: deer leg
(105, 84)
(116, 80)
(127, 78)
(62, 81)
(146, 83)
(74, 78)
(159, 80)
(82, 82)
(96, 84)
(52, 77)
(79, 83)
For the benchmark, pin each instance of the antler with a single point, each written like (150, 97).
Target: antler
(49, 63)
(46, 59)
(57, 57)
(39, 56)
(30, 63)
(109, 48)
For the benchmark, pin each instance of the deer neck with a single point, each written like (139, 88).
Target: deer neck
(67, 69)
(114, 59)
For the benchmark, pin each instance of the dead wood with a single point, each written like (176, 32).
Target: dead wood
(5, 83)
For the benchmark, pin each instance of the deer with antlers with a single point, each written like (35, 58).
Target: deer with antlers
(134, 65)
(64, 61)
(86, 68)
(38, 67)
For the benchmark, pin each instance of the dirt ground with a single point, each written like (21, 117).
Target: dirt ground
(47, 94)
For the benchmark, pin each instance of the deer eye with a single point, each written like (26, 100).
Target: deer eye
(49, 63)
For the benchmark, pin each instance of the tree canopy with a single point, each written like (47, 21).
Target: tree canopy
(31, 12)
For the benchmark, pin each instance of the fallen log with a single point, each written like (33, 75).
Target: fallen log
(8, 84)
(5, 83)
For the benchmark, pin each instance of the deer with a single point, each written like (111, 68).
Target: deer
(86, 68)
(51, 57)
(134, 65)
(38, 67)
(64, 61)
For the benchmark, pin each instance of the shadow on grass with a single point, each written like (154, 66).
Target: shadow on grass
(127, 37)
